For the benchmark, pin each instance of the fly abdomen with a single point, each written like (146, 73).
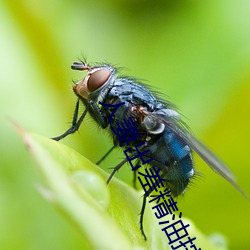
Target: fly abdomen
(178, 175)
(181, 169)
(178, 149)
(174, 158)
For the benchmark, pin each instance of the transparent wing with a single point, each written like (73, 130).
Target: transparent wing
(174, 123)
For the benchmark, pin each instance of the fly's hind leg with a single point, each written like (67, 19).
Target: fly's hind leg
(141, 216)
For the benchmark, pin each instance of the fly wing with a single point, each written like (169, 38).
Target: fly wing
(208, 156)
(175, 124)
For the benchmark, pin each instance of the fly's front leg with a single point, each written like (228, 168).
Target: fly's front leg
(100, 117)
(75, 124)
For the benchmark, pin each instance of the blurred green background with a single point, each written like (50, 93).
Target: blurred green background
(195, 52)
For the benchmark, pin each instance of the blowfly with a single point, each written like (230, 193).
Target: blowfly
(168, 142)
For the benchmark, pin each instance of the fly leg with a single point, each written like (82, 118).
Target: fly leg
(105, 155)
(146, 194)
(142, 212)
(75, 124)
(116, 169)
(141, 216)
(99, 116)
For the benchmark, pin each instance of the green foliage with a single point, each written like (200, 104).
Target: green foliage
(106, 216)
(194, 52)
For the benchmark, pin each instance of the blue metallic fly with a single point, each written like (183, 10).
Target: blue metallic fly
(166, 136)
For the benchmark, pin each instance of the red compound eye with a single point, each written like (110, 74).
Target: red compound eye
(97, 79)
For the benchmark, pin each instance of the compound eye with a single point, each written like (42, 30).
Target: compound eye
(97, 79)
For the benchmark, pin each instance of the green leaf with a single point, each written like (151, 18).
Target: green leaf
(106, 215)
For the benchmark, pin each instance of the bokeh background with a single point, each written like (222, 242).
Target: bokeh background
(195, 52)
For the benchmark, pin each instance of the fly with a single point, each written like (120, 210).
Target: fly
(169, 141)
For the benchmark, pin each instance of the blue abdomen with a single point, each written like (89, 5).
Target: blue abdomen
(175, 159)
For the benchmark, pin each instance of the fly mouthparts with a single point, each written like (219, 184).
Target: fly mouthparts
(79, 66)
